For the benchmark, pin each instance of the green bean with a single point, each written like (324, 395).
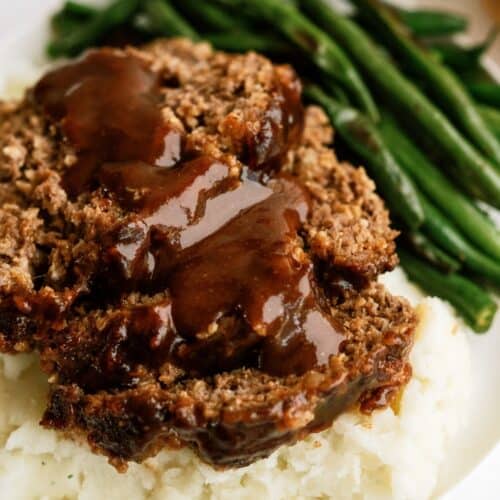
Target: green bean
(427, 23)
(64, 24)
(448, 237)
(471, 221)
(475, 74)
(79, 9)
(70, 17)
(461, 58)
(454, 56)
(244, 42)
(165, 20)
(362, 137)
(487, 93)
(90, 32)
(317, 45)
(335, 92)
(425, 248)
(471, 302)
(492, 117)
(445, 86)
(424, 23)
(211, 16)
(474, 173)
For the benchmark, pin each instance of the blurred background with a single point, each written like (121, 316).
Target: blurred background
(483, 14)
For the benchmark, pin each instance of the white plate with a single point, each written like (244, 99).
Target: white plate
(475, 455)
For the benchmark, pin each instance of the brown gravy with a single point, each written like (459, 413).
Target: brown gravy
(108, 107)
(221, 245)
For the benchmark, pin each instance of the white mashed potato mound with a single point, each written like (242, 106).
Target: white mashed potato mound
(386, 456)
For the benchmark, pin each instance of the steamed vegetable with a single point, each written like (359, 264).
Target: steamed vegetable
(448, 237)
(165, 19)
(447, 89)
(487, 93)
(426, 248)
(78, 9)
(472, 171)
(462, 58)
(93, 29)
(471, 301)
(71, 16)
(243, 42)
(457, 207)
(424, 23)
(492, 117)
(211, 16)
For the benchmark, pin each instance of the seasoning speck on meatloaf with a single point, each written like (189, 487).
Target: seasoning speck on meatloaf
(195, 268)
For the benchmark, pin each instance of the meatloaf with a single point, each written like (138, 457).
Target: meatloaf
(190, 260)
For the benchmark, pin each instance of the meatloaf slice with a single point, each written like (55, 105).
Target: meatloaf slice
(203, 276)
(51, 241)
(236, 417)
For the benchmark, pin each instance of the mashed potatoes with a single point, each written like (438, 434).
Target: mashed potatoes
(395, 454)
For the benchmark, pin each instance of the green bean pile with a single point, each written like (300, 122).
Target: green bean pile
(417, 109)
